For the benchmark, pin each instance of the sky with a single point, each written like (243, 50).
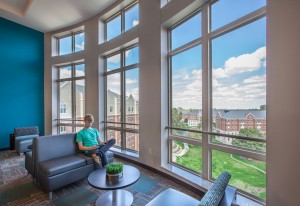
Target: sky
(131, 76)
(238, 59)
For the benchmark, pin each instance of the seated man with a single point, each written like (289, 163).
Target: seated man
(88, 139)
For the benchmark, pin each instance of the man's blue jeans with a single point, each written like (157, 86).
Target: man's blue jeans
(101, 150)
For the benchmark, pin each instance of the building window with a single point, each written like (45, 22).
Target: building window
(63, 108)
(71, 43)
(62, 129)
(122, 21)
(122, 91)
(71, 92)
(220, 68)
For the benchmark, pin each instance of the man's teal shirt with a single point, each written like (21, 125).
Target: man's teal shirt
(88, 137)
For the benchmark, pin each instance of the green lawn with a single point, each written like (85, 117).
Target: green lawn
(243, 177)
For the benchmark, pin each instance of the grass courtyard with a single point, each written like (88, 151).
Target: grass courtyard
(248, 175)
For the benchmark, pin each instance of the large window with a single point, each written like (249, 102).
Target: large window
(217, 93)
(122, 98)
(122, 21)
(71, 101)
(70, 43)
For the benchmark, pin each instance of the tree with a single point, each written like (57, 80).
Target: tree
(263, 107)
(176, 117)
(248, 132)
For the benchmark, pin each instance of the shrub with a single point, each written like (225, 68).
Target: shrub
(114, 168)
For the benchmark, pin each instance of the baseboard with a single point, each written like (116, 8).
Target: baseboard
(189, 187)
(4, 149)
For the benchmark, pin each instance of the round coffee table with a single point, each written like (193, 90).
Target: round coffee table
(116, 196)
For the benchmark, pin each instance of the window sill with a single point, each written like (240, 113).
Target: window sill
(124, 153)
(205, 185)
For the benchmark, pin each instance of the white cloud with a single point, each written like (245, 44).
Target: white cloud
(242, 63)
(233, 94)
(255, 79)
(113, 82)
(130, 81)
(64, 73)
(114, 59)
(219, 73)
(80, 46)
(134, 92)
(188, 93)
(197, 74)
(128, 53)
(135, 22)
(186, 77)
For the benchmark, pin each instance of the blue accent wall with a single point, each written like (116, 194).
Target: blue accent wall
(21, 79)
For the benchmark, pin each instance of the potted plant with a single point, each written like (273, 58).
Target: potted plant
(114, 171)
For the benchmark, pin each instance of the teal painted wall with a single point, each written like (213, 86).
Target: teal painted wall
(21, 79)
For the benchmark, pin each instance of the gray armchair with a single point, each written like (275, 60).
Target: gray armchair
(23, 138)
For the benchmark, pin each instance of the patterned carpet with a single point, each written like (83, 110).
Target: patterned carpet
(17, 188)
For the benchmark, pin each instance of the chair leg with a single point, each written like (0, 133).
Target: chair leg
(50, 195)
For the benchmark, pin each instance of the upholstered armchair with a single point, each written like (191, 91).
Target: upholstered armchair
(23, 138)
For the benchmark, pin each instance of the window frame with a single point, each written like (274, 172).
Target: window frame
(72, 35)
(73, 122)
(122, 14)
(207, 119)
(122, 71)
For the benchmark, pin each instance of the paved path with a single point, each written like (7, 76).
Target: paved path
(260, 170)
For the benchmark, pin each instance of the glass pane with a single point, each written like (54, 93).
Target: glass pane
(79, 70)
(113, 109)
(246, 173)
(226, 11)
(113, 62)
(187, 155)
(79, 42)
(65, 129)
(80, 99)
(65, 72)
(163, 3)
(65, 45)
(132, 97)
(187, 89)
(239, 81)
(77, 129)
(186, 32)
(65, 98)
(113, 28)
(114, 134)
(186, 133)
(132, 141)
(131, 17)
(132, 56)
(245, 144)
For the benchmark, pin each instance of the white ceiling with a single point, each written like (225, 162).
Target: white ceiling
(50, 15)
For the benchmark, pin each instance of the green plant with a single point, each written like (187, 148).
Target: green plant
(114, 168)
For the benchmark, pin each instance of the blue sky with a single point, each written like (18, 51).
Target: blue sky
(237, 60)
(131, 76)
(65, 44)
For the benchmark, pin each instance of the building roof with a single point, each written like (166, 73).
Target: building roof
(240, 114)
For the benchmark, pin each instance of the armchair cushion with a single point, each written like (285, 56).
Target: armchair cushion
(25, 137)
(60, 165)
(216, 192)
(22, 131)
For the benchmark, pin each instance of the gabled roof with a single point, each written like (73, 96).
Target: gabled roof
(242, 114)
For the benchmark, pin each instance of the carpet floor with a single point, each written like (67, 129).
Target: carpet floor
(17, 187)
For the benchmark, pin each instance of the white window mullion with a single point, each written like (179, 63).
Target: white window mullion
(205, 94)
(73, 98)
